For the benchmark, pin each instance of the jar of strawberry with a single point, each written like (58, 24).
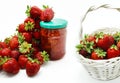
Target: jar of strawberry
(53, 38)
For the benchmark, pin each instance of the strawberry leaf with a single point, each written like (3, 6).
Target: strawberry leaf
(25, 47)
(28, 10)
(45, 56)
(99, 36)
(21, 38)
(29, 26)
(100, 52)
(117, 36)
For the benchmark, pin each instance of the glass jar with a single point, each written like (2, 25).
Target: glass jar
(53, 38)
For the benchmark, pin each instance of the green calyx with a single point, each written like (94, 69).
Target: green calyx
(21, 38)
(25, 47)
(28, 11)
(114, 47)
(3, 60)
(7, 40)
(45, 6)
(45, 56)
(86, 45)
(33, 60)
(29, 26)
(100, 52)
(116, 36)
(79, 47)
(99, 35)
(89, 46)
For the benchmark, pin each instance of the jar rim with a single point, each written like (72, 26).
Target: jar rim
(54, 24)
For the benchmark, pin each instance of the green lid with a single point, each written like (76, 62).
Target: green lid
(54, 24)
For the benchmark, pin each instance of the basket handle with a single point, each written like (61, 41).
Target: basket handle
(93, 8)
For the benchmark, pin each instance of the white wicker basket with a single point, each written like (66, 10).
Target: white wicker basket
(101, 69)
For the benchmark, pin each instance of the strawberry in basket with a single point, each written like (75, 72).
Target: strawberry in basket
(100, 46)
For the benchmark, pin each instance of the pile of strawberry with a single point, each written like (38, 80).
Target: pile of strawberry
(22, 50)
(100, 46)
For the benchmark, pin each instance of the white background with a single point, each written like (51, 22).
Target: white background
(68, 69)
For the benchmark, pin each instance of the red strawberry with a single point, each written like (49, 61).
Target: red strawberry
(47, 15)
(15, 54)
(29, 24)
(36, 34)
(112, 52)
(84, 52)
(42, 57)
(14, 43)
(98, 54)
(6, 52)
(3, 45)
(33, 12)
(11, 66)
(104, 41)
(22, 60)
(27, 36)
(21, 28)
(32, 67)
(90, 38)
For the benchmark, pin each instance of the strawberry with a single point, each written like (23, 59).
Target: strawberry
(98, 54)
(32, 67)
(112, 52)
(33, 12)
(47, 14)
(13, 43)
(84, 53)
(25, 48)
(27, 36)
(22, 60)
(15, 54)
(29, 24)
(104, 41)
(3, 45)
(21, 28)
(11, 66)
(36, 34)
(42, 57)
(6, 52)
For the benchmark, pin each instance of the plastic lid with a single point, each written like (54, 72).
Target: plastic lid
(54, 24)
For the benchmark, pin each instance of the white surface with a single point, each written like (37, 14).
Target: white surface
(68, 69)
